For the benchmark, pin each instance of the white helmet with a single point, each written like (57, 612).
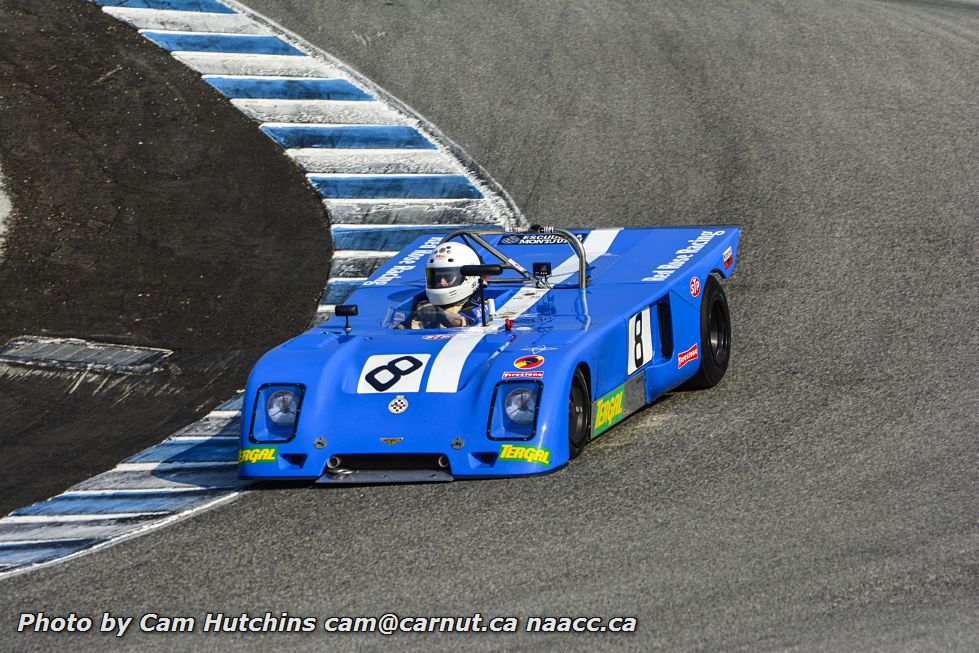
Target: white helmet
(444, 283)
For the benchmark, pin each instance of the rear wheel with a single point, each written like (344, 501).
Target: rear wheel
(715, 337)
(579, 414)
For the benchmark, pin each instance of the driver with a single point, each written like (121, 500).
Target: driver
(451, 299)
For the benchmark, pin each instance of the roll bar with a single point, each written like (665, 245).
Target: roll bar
(477, 236)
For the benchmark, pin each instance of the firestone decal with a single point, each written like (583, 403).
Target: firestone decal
(523, 375)
(685, 357)
(257, 455)
(694, 286)
(525, 453)
(408, 263)
(608, 411)
(663, 272)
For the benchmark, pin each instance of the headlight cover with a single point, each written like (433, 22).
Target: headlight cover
(282, 407)
(275, 414)
(520, 405)
(513, 413)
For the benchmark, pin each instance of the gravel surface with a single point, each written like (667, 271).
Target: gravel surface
(147, 211)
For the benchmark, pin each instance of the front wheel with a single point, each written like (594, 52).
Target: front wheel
(579, 415)
(715, 337)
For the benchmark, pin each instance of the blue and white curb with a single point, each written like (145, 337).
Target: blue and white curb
(372, 160)
(193, 470)
(384, 174)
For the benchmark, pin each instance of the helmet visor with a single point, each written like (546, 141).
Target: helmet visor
(443, 277)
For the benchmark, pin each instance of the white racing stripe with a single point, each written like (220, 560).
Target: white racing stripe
(447, 366)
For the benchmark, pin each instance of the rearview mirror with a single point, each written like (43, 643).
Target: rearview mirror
(346, 310)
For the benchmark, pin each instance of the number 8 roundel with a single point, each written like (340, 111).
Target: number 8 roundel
(392, 373)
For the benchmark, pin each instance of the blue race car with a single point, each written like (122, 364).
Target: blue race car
(575, 332)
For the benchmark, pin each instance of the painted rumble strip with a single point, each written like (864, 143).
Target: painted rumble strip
(193, 470)
(385, 176)
(347, 136)
(370, 158)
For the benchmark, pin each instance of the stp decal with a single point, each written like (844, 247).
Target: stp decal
(728, 257)
(528, 362)
(639, 340)
(694, 286)
(392, 373)
(685, 357)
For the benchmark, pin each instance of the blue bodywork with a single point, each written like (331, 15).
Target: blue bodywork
(386, 394)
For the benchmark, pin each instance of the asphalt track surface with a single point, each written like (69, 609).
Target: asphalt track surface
(821, 498)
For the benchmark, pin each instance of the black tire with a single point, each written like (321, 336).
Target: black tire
(579, 415)
(715, 337)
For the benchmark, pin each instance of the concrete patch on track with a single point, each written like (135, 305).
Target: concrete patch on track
(75, 354)
(385, 175)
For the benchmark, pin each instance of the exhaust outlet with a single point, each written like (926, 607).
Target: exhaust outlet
(333, 462)
(443, 461)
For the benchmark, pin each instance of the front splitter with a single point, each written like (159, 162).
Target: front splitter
(382, 476)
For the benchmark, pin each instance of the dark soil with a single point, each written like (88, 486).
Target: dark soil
(147, 211)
